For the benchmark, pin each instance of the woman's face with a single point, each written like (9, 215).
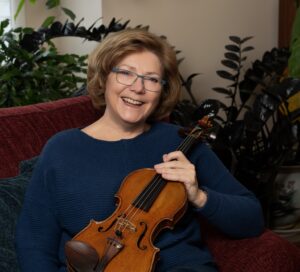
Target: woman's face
(132, 105)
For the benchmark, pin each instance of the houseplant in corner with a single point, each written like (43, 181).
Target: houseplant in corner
(254, 138)
(31, 68)
(286, 206)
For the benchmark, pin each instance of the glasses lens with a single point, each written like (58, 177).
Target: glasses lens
(128, 78)
(152, 84)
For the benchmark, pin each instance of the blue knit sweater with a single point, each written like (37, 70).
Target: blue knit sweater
(77, 176)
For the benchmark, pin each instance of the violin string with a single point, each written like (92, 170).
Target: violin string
(156, 182)
(153, 186)
(134, 210)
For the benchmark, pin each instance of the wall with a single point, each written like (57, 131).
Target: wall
(200, 29)
(91, 11)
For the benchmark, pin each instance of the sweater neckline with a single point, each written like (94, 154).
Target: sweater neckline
(153, 127)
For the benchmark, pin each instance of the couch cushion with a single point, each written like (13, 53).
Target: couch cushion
(25, 130)
(12, 192)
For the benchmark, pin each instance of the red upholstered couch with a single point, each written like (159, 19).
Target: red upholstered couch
(25, 130)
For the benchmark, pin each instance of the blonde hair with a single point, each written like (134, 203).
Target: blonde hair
(123, 43)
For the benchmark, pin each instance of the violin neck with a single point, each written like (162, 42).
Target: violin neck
(146, 198)
(186, 144)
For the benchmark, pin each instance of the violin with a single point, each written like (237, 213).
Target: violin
(146, 204)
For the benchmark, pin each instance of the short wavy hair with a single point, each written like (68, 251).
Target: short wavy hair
(123, 43)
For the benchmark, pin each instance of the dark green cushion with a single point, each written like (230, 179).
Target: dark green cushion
(12, 192)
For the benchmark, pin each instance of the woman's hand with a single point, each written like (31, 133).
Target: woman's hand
(176, 167)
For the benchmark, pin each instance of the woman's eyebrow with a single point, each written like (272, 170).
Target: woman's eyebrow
(134, 69)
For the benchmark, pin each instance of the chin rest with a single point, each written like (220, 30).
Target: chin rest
(81, 257)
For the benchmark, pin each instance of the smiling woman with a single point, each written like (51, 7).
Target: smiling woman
(133, 75)
(128, 106)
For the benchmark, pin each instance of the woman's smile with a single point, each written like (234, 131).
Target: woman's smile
(132, 102)
(131, 105)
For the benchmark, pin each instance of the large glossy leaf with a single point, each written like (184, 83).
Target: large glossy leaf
(232, 48)
(232, 56)
(230, 64)
(235, 39)
(19, 8)
(48, 21)
(247, 48)
(246, 39)
(52, 3)
(223, 91)
(190, 77)
(294, 60)
(296, 28)
(3, 25)
(226, 75)
(69, 13)
(56, 28)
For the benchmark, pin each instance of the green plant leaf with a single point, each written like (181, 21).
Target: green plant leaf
(226, 75)
(230, 64)
(232, 47)
(247, 48)
(69, 13)
(232, 56)
(222, 91)
(19, 8)
(27, 30)
(246, 39)
(52, 3)
(235, 39)
(3, 25)
(48, 21)
(294, 63)
(296, 27)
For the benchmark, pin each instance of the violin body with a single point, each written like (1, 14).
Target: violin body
(146, 204)
(124, 241)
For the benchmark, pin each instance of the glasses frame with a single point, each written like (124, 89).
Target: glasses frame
(116, 70)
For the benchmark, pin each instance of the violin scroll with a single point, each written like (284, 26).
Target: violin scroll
(203, 130)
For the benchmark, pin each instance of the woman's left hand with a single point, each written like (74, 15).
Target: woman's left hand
(176, 167)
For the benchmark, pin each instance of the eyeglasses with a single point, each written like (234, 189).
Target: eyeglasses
(150, 83)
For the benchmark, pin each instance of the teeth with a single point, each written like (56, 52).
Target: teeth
(131, 101)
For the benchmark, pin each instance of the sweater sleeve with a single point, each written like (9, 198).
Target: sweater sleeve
(230, 206)
(38, 233)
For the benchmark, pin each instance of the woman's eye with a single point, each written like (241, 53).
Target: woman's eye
(125, 73)
(153, 79)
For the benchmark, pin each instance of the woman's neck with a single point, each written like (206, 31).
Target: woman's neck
(103, 129)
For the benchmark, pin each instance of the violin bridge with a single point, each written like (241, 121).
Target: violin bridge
(125, 223)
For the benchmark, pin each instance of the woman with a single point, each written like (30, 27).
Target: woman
(134, 74)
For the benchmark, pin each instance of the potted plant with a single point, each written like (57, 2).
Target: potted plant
(255, 129)
(31, 69)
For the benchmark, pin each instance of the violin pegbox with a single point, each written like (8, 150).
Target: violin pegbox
(203, 129)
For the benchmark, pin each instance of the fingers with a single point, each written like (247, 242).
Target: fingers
(176, 167)
(177, 174)
(175, 155)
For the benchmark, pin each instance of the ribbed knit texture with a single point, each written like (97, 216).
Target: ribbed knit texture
(77, 176)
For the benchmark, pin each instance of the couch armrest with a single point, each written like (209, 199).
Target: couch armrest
(268, 252)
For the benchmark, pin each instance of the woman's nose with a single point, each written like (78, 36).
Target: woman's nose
(138, 85)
